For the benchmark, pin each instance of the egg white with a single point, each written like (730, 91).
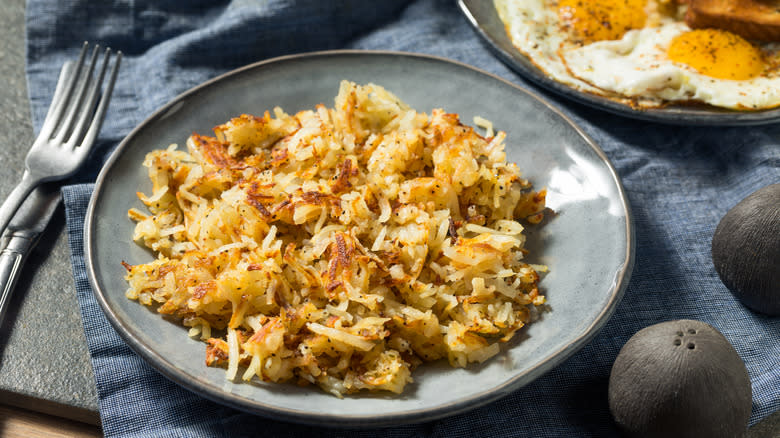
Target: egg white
(638, 66)
(634, 69)
(533, 27)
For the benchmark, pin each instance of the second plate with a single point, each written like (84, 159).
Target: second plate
(483, 17)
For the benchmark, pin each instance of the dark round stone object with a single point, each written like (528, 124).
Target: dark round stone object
(746, 250)
(680, 379)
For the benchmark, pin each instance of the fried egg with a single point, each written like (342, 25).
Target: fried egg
(641, 52)
(534, 29)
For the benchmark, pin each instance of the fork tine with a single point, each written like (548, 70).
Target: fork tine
(56, 109)
(89, 105)
(66, 125)
(66, 73)
(47, 159)
(100, 113)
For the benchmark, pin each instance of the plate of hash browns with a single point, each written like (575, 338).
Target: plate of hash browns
(345, 238)
(683, 62)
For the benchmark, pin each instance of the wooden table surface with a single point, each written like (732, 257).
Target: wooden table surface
(21, 423)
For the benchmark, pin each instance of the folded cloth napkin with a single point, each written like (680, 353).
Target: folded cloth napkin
(680, 181)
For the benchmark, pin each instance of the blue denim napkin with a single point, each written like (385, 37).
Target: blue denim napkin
(680, 181)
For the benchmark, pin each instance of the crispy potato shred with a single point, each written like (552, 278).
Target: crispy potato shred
(339, 246)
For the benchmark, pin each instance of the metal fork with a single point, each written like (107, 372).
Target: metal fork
(69, 130)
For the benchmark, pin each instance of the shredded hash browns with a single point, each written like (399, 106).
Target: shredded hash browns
(340, 246)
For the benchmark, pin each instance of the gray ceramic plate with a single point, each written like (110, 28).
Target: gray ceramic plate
(588, 245)
(483, 17)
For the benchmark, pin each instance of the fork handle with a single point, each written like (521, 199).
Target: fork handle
(15, 199)
(11, 261)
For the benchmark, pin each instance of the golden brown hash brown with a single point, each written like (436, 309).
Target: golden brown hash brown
(339, 246)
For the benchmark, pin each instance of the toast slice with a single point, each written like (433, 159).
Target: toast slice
(751, 19)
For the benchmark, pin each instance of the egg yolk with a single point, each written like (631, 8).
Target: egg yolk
(717, 53)
(599, 20)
